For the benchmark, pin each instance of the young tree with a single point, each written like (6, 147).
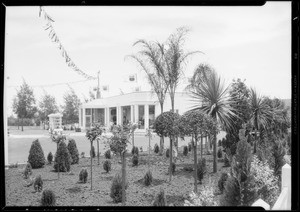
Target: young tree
(118, 144)
(150, 60)
(261, 113)
(92, 135)
(47, 105)
(167, 124)
(208, 91)
(197, 124)
(23, 103)
(71, 107)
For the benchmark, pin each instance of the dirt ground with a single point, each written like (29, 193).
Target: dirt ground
(70, 192)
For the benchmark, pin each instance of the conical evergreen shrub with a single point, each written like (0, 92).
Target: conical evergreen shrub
(160, 199)
(107, 154)
(148, 178)
(156, 148)
(27, 171)
(185, 150)
(36, 155)
(116, 188)
(63, 158)
(73, 151)
(231, 194)
(48, 198)
(50, 157)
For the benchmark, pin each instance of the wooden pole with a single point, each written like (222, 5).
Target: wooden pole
(57, 159)
(98, 151)
(195, 163)
(171, 157)
(91, 166)
(123, 178)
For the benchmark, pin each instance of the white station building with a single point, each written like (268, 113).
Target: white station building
(142, 107)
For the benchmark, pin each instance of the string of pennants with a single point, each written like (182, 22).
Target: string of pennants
(54, 38)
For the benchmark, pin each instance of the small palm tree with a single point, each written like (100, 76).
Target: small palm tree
(211, 96)
(261, 113)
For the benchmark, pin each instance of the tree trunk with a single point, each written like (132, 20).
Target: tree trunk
(44, 123)
(161, 149)
(201, 151)
(172, 101)
(176, 143)
(57, 161)
(195, 164)
(98, 151)
(22, 124)
(18, 123)
(206, 143)
(171, 156)
(123, 178)
(132, 139)
(255, 139)
(149, 154)
(215, 152)
(91, 167)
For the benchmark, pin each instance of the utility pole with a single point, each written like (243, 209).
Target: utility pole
(98, 89)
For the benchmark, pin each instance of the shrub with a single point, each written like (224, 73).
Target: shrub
(173, 166)
(278, 155)
(135, 150)
(204, 198)
(107, 166)
(92, 152)
(73, 151)
(160, 199)
(36, 155)
(50, 157)
(148, 178)
(83, 175)
(135, 160)
(219, 143)
(168, 153)
(27, 171)
(221, 182)
(190, 147)
(72, 128)
(231, 193)
(48, 198)
(107, 154)
(156, 148)
(116, 188)
(185, 150)
(220, 155)
(77, 130)
(82, 155)
(38, 183)
(63, 158)
(201, 169)
(226, 161)
(266, 182)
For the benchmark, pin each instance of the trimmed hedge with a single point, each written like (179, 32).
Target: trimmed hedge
(63, 158)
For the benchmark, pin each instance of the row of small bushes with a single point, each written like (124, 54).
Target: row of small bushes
(64, 157)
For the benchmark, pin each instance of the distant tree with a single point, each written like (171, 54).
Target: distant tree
(23, 103)
(47, 105)
(71, 107)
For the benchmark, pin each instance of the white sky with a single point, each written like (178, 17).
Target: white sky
(252, 43)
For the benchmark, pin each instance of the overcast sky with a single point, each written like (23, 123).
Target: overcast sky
(252, 43)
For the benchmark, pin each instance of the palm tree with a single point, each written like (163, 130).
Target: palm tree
(150, 59)
(261, 113)
(206, 88)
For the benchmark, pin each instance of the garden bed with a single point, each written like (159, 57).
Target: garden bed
(70, 192)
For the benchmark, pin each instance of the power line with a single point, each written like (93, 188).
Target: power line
(51, 85)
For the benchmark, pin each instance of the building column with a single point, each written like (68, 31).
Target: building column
(136, 113)
(5, 123)
(131, 113)
(146, 116)
(79, 116)
(105, 116)
(118, 115)
(83, 116)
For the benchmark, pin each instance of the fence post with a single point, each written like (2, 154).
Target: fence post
(261, 203)
(286, 179)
